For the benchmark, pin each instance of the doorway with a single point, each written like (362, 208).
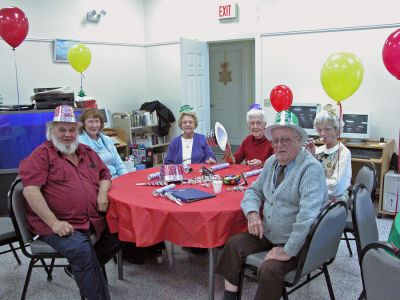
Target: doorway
(231, 97)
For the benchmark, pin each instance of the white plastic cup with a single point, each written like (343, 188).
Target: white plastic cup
(217, 186)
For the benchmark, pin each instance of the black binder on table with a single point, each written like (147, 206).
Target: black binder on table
(190, 195)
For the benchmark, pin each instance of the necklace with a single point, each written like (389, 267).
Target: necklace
(187, 142)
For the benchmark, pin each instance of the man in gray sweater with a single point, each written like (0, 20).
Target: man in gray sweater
(293, 191)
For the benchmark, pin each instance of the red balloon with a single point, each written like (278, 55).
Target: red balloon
(281, 98)
(14, 26)
(391, 54)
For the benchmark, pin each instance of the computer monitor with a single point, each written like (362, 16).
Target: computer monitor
(107, 117)
(357, 126)
(306, 113)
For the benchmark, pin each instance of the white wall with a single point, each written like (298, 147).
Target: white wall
(163, 78)
(296, 60)
(167, 20)
(116, 76)
(122, 77)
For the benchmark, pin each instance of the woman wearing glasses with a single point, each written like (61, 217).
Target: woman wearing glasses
(334, 155)
(255, 148)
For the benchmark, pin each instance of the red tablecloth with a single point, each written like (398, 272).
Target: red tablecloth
(140, 217)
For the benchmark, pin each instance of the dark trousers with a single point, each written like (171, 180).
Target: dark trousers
(270, 274)
(86, 260)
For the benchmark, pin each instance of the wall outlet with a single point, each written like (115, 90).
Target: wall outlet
(267, 102)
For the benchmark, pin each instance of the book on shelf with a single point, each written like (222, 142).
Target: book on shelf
(141, 118)
(148, 139)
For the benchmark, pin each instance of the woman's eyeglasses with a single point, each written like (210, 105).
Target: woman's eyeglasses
(324, 129)
(257, 123)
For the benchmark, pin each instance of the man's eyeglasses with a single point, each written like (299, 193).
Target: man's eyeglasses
(283, 140)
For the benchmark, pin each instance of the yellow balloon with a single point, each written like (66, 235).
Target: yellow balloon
(341, 75)
(79, 57)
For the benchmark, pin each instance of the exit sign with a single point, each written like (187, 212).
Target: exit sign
(227, 11)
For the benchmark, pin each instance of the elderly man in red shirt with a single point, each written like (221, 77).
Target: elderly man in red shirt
(66, 185)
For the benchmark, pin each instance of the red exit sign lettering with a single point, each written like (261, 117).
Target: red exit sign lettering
(227, 11)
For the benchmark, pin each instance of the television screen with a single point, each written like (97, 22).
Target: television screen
(306, 113)
(20, 133)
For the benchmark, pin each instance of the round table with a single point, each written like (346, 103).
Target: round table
(140, 217)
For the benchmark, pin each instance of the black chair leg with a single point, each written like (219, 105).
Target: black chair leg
(52, 265)
(120, 265)
(47, 268)
(15, 253)
(284, 293)
(348, 244)
(328, 283)
(28, 277)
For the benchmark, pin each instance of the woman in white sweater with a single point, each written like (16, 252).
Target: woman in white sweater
(334, 155)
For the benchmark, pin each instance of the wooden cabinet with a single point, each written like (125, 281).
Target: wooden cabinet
(143, 137)
(382, 153)
(382, 164)
(119, 138)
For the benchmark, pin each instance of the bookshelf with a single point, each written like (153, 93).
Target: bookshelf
(140, 129)
(119, 137)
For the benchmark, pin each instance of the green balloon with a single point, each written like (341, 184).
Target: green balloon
(341, 75)
(79, 57)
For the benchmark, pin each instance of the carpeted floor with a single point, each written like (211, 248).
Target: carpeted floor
(186, 279)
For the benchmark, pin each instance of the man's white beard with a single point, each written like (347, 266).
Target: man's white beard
(65, 149)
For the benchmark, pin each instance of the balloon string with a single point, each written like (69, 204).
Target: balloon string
(81, 80)
(340, 126)
(16, 74)
(398, 180)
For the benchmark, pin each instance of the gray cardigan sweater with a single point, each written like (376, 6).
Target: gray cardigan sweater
(289, 210)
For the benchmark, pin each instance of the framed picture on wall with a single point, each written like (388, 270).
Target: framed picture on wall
(61, 48)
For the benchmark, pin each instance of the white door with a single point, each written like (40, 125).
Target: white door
(230, 101)
(195, 80)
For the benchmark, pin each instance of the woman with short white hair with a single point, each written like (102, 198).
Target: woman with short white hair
(334, 155)
(255, 148)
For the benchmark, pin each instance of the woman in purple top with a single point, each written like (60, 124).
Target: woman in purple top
(189, 147)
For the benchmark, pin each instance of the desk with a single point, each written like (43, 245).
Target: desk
(382, 164)
(139, 217)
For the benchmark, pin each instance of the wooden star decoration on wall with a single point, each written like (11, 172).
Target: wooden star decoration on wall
(225, 75)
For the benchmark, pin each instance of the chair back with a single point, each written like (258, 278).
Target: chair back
(323, 240)
(18, 207)
(364, 218)
(380, 268)
(367, 176)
